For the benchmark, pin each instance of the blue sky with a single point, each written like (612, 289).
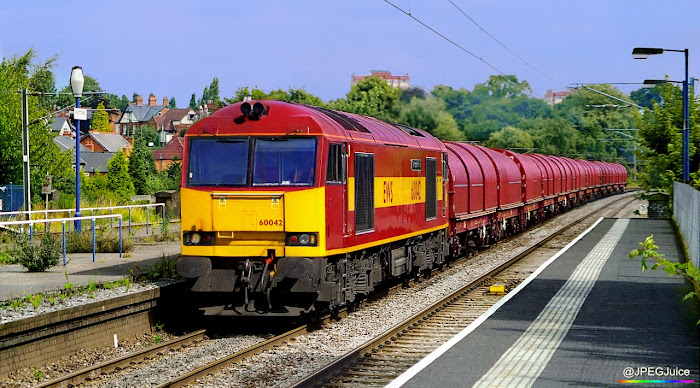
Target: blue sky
(175, 48)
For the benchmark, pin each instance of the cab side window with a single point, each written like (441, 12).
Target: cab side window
(337, 164)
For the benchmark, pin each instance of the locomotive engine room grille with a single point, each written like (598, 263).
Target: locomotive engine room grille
(364, 192)
(430, 188)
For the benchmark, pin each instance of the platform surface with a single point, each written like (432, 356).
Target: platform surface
(590, 318)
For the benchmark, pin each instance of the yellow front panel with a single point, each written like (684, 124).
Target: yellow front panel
(248, 211)
(244, 222)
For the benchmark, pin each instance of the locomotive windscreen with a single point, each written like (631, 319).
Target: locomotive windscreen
(217, 162)
(274, 161)
(284, 162)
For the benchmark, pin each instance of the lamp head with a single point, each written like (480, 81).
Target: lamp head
(77, 81)
(644, 52)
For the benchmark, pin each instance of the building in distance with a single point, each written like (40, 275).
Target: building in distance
(395, 81)
(554, 98)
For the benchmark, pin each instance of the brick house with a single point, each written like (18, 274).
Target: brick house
(106, 142)
(172, 122)
(137, 114)
(171, 153)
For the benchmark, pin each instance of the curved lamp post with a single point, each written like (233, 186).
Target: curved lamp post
(643, 53)
(77, 81)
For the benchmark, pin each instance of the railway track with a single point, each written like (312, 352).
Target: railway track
(110, 366)
(375, 363)
(381, 360)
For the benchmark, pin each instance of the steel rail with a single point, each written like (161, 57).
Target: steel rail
(234, 358)
(110, 366)
(373, 346)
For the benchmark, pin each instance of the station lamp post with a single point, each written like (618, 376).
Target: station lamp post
(77, 81)
(643, 53)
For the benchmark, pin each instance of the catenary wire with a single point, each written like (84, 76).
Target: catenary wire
(451, 41)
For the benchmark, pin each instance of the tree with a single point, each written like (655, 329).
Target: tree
(44, 81)
(87, 101)
(660, 131)
(553, 136)
(646, 96)
(45, 156)
(415, 92)
(100, 119)
(142, 165)
(123, 103)
(148, 134)
(214, 93)
(502, 86)
(430, 115)
(511, 138)
(193, 102)
(171, 103)
(371, 97)
(118, 179)
(594, 114)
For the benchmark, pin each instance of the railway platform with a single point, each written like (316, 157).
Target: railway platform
(80, 270)
(587, 317)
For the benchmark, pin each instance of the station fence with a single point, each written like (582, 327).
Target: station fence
(686, 210)
(94, 210)
(21, 223)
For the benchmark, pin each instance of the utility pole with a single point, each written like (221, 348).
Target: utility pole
(25, 152)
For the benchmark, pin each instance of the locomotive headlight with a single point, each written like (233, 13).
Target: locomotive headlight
(301, 239)
(198, 238)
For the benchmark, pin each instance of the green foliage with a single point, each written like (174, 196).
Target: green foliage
(371, 97)
(7, 258)
(171, 103)
(660, 132)
(147, 134)
(37, 257)
(511, 138)
(100, 119)
(38, 374)
(646, 96)
(44, 81)
(106, 241)
(429, 114)
(649, 251)
(300, 96)
(118, 179)
(502, 86)
(142, 166)
(91, 86)
(414, 92)
(45, 156)
(193, 102)
(123, 103)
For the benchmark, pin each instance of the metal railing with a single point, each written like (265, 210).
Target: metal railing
(63, 223)
(92, 212)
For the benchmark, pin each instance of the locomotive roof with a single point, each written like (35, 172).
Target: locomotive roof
(284, 118)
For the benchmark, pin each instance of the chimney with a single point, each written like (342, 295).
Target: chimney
(152, 100)
(165, 101)
(139, 100)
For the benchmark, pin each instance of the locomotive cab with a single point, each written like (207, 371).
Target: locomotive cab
(289, 208)
(255, 194)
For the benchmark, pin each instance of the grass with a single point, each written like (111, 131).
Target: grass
(162, 269)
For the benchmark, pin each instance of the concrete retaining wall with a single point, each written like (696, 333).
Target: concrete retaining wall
(686, 210)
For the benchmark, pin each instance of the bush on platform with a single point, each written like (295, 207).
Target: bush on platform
(37, 257)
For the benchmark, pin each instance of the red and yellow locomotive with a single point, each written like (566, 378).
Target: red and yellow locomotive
(288, 208)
